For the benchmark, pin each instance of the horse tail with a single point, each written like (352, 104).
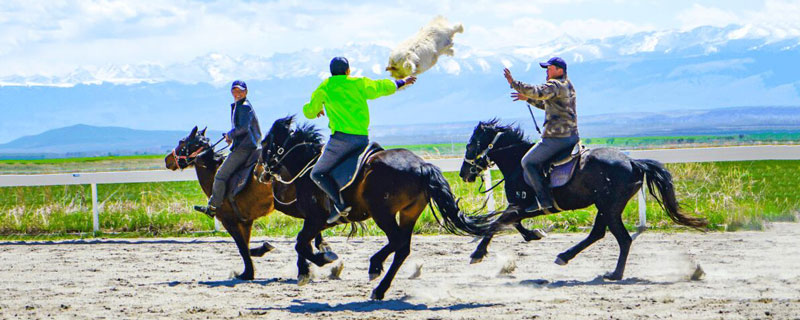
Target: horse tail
(658, 178)
(438, 189)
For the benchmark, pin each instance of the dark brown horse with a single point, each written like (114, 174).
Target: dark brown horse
(393, 189)
(605, 178)
(255, 201)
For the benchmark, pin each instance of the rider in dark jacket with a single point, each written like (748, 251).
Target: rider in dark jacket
(243, 137)
(557, 98)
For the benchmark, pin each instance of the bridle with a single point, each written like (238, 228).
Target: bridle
(273, 163)
(475, 163)
(192, 158)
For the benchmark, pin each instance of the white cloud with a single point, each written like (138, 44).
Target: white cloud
(699, 15)
(46, 39)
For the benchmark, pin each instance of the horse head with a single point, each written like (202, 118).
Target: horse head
(187, 150)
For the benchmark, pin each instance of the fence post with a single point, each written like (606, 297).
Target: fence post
(642, 208)
(95, 209)
(487, 179)
(216, 225)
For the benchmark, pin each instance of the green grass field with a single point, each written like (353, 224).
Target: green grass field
(732, 195)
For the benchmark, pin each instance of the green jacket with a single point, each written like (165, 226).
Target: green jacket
(345, 101)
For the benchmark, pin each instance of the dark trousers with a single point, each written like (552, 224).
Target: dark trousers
(338, 146)
(234, 161)
(538, 155)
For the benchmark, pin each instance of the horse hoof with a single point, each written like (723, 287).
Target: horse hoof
(336, 272)
(376, 295)
(540, 233)
(612, 276)
(303, 279)
(244, 277)
(373, 276)
(560, 262)
(324, 247)
(330, 257)
(475, 260)
(268, 247)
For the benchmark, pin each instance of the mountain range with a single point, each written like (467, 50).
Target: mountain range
(85, 140)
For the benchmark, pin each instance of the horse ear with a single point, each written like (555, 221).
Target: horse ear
(194, 132)
(203, 132)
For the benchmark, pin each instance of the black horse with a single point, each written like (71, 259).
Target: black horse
(393, 189)
(604, 177)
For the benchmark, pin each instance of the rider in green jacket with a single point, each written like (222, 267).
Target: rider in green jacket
(344, 100)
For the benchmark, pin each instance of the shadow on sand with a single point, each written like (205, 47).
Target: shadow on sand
(230, 283)
(598, 281)
(301, 306)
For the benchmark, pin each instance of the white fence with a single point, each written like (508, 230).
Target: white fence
(453, 164)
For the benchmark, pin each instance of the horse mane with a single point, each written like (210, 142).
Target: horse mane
(513, 129)
(307, 132)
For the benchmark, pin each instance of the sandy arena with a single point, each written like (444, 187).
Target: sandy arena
(749, 275)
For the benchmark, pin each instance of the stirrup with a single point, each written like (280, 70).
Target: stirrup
(337, 213)
(537, 206)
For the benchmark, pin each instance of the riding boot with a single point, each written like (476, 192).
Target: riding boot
(208, 210)
(543, 198)
(328, 185)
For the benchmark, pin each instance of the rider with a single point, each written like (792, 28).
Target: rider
(243, 138)
(557, 98)
(344, 98)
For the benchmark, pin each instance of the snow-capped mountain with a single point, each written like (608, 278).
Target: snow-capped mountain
(658, 71)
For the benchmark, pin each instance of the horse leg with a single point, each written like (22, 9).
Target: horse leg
(240, 232)
(401, 242)
(262, 250)
(306, 252)
(624, 240)
(321, 244)
(528, 235)
(597, 233)
(386, 222)
(481, 251)
(510, 216)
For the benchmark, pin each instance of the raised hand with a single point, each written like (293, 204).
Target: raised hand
(410, 80)
(517, 96)
(507, 74)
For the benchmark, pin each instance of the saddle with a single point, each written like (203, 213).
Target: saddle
(241, 178)
(349, 167)
(562, 166)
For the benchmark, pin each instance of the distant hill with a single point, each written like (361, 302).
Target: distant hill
(85, 140)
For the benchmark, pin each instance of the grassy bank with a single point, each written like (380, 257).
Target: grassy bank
(732, 195)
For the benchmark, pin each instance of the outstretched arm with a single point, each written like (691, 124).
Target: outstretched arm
(535, 92)
(313, 109)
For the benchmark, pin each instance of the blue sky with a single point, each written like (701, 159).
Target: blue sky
(40, 39)
(112, 62)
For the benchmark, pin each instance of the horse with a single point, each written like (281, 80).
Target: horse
(393, 189)
(255, 201)
(604, 177)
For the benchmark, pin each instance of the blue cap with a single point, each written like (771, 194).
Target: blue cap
(554, 61)
(339, 66)
(239, 84)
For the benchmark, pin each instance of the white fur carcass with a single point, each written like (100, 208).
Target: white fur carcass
(420, 53)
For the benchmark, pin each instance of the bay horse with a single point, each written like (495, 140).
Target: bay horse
(393, 189)
(604, 177)
(255, 201)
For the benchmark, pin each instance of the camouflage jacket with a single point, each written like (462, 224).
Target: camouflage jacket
(557, 98)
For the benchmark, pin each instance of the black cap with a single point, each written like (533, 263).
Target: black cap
(339, 66)
(554, 61)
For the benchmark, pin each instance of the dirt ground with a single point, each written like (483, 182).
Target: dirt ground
(749, 275)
